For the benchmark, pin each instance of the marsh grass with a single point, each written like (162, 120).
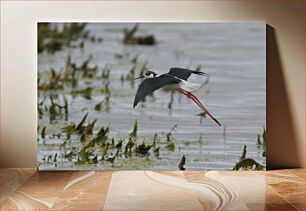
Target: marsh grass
(52, 39)
(131, 38)
(246, 163)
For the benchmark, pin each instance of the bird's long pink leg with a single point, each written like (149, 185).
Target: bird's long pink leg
(197, 101)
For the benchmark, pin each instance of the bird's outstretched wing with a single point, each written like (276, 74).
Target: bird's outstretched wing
(183, 73)
(149, 85)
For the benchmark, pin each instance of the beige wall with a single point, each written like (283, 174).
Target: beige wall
(286, 62)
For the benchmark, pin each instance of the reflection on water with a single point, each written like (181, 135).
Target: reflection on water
(233, 55)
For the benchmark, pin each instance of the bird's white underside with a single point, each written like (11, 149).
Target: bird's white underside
(185, 85)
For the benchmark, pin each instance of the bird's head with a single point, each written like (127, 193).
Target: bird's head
(148, 74)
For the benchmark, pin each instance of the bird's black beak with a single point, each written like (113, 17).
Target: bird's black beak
(139, 77)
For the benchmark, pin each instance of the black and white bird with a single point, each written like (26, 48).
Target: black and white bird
(175, 79)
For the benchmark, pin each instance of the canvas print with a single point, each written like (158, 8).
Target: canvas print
(156, 96)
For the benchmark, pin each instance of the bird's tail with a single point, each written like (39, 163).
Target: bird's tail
(190, 87)
(198, 72)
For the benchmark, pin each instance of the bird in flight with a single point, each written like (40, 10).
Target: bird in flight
(175, 79)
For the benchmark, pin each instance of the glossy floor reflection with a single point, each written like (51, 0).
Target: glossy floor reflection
(27, 189)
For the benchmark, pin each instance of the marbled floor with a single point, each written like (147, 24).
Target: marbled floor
(27, 189)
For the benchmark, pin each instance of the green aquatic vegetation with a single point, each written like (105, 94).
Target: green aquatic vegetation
(69, 129)
(103, 104)
(187, 143)
(64, 144)
(156, 152)
(133, 134)
(86, 151)
(57, 110)
(85, 92)
(143, 149)
(94, 160)
(105, 89)
(70, 74)
(52, 39)
(68, 69)
(182, 163)
(119, 145)
(81, 45)
(95, 147)
(224, 134)
(58, 135)
(258, 141)
(79, 127)
(40, 110)
(122, 78)
(248, 164)
(45, 38)
(113, 158)
(263, 142)
(83, 161)
(88, 129)
(134, 60)
(107, 102)
(128, 148)
(170, 146)
(75, 30)
(54, 83)
(84, 137)
(173, 128)
(94, 39)
(200, 140)
(264, 136)
(55, 158)
(105, 148)
(70, 155)
(65, 107)
(98, 106)
(169, 135)
(43, 132)
(54, 109)
(197, 160)
(106, 72)
(49, 158)
(155, 139)
(202, 115)
(243, 156)
(74, 72)
(131, 39)
(102, 136)
(119, 56)
(87, 160)
(103, 132)
(86, 70)
(131, 74)
(245, 163)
